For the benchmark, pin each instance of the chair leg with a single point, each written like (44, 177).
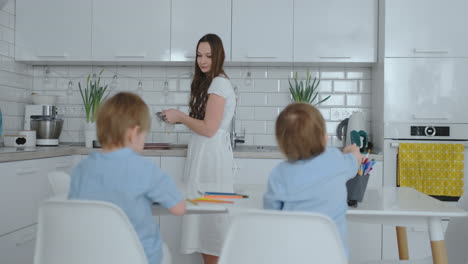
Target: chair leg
(402, 239)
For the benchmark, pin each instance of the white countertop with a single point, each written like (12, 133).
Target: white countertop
(8, 154)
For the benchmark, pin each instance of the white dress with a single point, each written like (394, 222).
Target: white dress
(209, 168)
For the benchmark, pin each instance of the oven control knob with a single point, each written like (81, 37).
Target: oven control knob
(430, 131)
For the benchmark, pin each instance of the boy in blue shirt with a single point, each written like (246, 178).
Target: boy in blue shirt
(121, 176)
(313, 179)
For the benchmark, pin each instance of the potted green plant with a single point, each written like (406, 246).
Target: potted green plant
(305, 92)
(92, 96)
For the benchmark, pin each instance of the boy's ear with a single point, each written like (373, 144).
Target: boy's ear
(132, 133)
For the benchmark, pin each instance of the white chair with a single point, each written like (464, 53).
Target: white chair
(456, 241)
(60, 182)
(84, 231)
(278, 237)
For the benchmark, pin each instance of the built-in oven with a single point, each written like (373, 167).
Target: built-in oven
(420, 133)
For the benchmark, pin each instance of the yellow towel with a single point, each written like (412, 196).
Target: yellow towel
(434, 169)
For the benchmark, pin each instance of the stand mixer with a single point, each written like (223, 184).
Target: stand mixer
(43, 119)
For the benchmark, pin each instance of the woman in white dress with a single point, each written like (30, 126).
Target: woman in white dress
(209, 159)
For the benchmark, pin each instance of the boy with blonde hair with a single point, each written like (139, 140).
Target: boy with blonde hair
(121, 176)
(313, 179)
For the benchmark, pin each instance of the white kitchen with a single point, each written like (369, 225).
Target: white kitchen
(400, 65)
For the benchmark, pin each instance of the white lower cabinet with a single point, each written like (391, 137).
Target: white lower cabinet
(23, 186)
(18, 247)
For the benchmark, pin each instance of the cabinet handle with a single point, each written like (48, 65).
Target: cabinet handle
(415, 116)
(395, 145)
(431, 51)
(25, 239)
(28, 171)
(52, 55)
(261, 57)
(335, 57)
(142, 55)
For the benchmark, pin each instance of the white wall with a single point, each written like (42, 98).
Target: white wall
(261, 97)
(15, 78)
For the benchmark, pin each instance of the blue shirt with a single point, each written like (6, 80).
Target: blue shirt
(131, 182)
(314, 185)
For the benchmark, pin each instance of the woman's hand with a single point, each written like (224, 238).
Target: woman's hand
(172, 116)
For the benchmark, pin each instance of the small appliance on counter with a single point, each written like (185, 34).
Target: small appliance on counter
(352, 130)
(24, 139)
(45, 121)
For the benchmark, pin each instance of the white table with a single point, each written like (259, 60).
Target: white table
(390, 205)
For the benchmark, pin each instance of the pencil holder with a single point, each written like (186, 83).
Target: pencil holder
(356, 188)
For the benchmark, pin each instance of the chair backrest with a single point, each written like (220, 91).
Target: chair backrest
(457, 234)
(59, 181)
(83, 231)
(263, 236)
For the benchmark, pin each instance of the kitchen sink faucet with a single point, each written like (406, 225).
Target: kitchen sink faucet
(234, 137)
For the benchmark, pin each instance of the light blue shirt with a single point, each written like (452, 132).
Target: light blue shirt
(314, 185)
(131, 182)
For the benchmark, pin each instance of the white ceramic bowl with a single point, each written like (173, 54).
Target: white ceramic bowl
(44, 99)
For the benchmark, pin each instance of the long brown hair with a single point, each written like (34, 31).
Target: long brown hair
(201, 81)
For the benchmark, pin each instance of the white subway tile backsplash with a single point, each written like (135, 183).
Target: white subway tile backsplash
(362, 74)
(332, 74)
(325, 113)
(270, 127)
(325, 86)
(266, 85)
(185, 84)
(252, 99)
(365, 86)
(265, 113)
(4, 48)
(245, 113)
(331, 127)
(5, 19)
(362, 100)
(334, 100)
(178, 98)
(260, 97)
(153, 72)
(345, 86)
(253, 127)
(265, 140)
(278, 99)
(128, 71)
(280, 72)
(302, 72)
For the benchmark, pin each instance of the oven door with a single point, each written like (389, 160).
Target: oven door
(391, 152)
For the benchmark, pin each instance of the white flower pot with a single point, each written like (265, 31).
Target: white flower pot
(90, 134)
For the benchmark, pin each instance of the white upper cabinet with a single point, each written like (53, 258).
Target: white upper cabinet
(191, 20)
(137, 30)
(262, 30)
(426, 28)
(335, 31)
(426, 90)
(53, 30)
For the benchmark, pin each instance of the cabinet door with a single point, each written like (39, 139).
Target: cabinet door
(18, 247)
(262, 30)
(171, 226)
(23, 186)
(426, 28)
(53, 30)
(191, 20)
(136, 30)
(425, 90)
(335, 31)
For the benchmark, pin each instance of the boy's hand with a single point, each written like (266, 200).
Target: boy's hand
(355, 151)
